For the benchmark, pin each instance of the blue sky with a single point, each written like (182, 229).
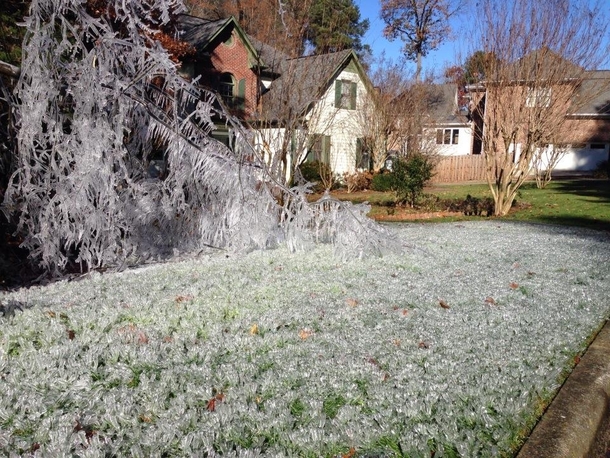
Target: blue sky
(451, 52)
(436, 61)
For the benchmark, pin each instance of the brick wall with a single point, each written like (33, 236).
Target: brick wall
(586, 130)
(233, 57)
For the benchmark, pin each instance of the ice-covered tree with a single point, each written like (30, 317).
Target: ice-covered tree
(99, 99)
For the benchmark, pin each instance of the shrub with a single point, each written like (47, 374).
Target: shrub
(409, 177)
(357, 181)
(316, 172)
(382, 182)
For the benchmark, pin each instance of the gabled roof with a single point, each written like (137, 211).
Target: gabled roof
(594, 92)
(303, 81)
(202, 33)
(443, 106)
(544, 64)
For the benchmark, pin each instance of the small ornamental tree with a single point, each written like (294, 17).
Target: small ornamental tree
(534, 59)
(409, 176)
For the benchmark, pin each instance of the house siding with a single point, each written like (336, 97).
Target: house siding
(462, 148)
(344, 126)
(235, 59)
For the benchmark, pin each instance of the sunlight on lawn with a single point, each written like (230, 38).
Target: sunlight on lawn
(448, 346)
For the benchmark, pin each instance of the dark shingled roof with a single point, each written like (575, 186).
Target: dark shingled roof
(199, 32)
(442, 103)
(594, 94)
(545, 64)
(272, 57)
(302, 82)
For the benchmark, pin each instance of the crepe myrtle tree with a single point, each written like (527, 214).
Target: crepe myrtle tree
(99, 97)
(541, 51)
(380, 116)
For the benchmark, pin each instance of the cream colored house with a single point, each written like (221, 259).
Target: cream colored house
(313, 112)
(297, 110)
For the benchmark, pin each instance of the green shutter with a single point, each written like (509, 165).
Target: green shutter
(241, 94)
(293, 141)
(352, 98)
(338, 93)
(326, 149)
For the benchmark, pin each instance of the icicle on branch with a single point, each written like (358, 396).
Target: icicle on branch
(100, 105)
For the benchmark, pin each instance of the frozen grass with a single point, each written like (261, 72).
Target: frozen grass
(280, 354)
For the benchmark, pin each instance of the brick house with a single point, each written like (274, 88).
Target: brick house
(299, 109)
(580, 98)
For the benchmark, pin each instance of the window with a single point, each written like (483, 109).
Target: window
(229, 42)
(538, 97)
(319, 149)
(363, 155)
(226, 86)
(447, 136)
(598, 146)
(345, 94)
(233, 93)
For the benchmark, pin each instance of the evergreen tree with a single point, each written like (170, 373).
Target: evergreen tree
(335, 25)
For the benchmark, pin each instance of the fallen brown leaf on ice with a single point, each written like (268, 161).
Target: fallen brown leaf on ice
(352, 302)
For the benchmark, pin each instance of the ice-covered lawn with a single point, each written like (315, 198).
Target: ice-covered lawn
(448, 346)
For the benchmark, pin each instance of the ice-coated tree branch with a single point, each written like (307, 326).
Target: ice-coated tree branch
(99, 100)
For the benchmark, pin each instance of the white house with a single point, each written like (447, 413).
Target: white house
(296, 109)
(449, 130)
(313, 111)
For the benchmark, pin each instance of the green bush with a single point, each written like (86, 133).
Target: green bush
(409, 177)
(312, 172)
(382, 182)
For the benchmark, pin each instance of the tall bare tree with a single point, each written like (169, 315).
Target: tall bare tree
(422, 24)
(542, 51)
(381, 114)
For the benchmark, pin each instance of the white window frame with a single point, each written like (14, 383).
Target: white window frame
(447, 136)
(538, 97)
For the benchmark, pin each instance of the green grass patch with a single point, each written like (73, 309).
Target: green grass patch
(577, 202)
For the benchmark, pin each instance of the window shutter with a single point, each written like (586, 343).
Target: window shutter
(241, 93)
(359, 153)
(326, 149)
(293, 142)
(352, 98)
(338, 93)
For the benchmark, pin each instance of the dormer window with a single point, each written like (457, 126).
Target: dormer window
(226, 87)
(232, 92)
